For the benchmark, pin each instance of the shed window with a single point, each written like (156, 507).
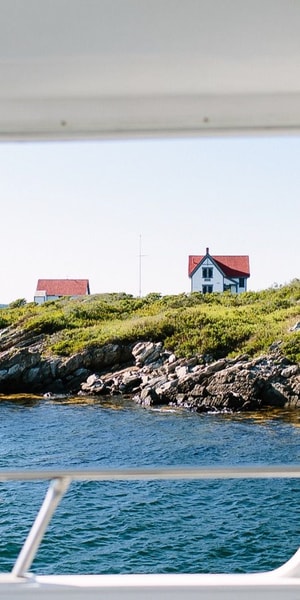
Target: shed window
(242, 282)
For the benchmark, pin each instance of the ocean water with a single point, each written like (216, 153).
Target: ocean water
(149, 527)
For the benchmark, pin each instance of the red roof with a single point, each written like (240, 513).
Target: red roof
(231, 266)
(64, 287)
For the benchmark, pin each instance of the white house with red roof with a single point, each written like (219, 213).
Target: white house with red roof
(212, 273)
(52, 289)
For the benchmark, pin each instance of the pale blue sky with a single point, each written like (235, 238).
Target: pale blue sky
(78, 209)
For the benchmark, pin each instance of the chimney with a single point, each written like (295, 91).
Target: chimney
(207, 250)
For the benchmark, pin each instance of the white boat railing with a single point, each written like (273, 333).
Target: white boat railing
(60, 481)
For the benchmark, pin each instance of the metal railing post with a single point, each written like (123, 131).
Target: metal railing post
(54, 494)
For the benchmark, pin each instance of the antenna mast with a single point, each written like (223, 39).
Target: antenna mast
(140, 266)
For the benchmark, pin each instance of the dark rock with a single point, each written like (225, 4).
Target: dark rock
(147, 397)
(274, 394)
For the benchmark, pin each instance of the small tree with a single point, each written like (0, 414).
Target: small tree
(17, 303)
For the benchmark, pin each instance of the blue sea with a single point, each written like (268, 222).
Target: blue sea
(149, 527)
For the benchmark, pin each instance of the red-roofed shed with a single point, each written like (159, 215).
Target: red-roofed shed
(52, 289)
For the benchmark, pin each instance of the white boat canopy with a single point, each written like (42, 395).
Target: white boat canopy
(84, 69)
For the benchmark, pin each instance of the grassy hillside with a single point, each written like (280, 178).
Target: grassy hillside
(215, 324)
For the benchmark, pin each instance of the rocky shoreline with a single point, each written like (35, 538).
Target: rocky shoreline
(151, 375)
(240, 384)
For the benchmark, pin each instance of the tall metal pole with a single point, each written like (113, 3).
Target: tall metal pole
(140, 267)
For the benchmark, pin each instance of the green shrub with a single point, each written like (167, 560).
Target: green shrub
(18, 303)
(291, 346)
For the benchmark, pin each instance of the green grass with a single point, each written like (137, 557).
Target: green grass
(215, 324)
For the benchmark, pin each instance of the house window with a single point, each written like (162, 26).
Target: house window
(207, 289)
(207, 272)
(242, 282)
